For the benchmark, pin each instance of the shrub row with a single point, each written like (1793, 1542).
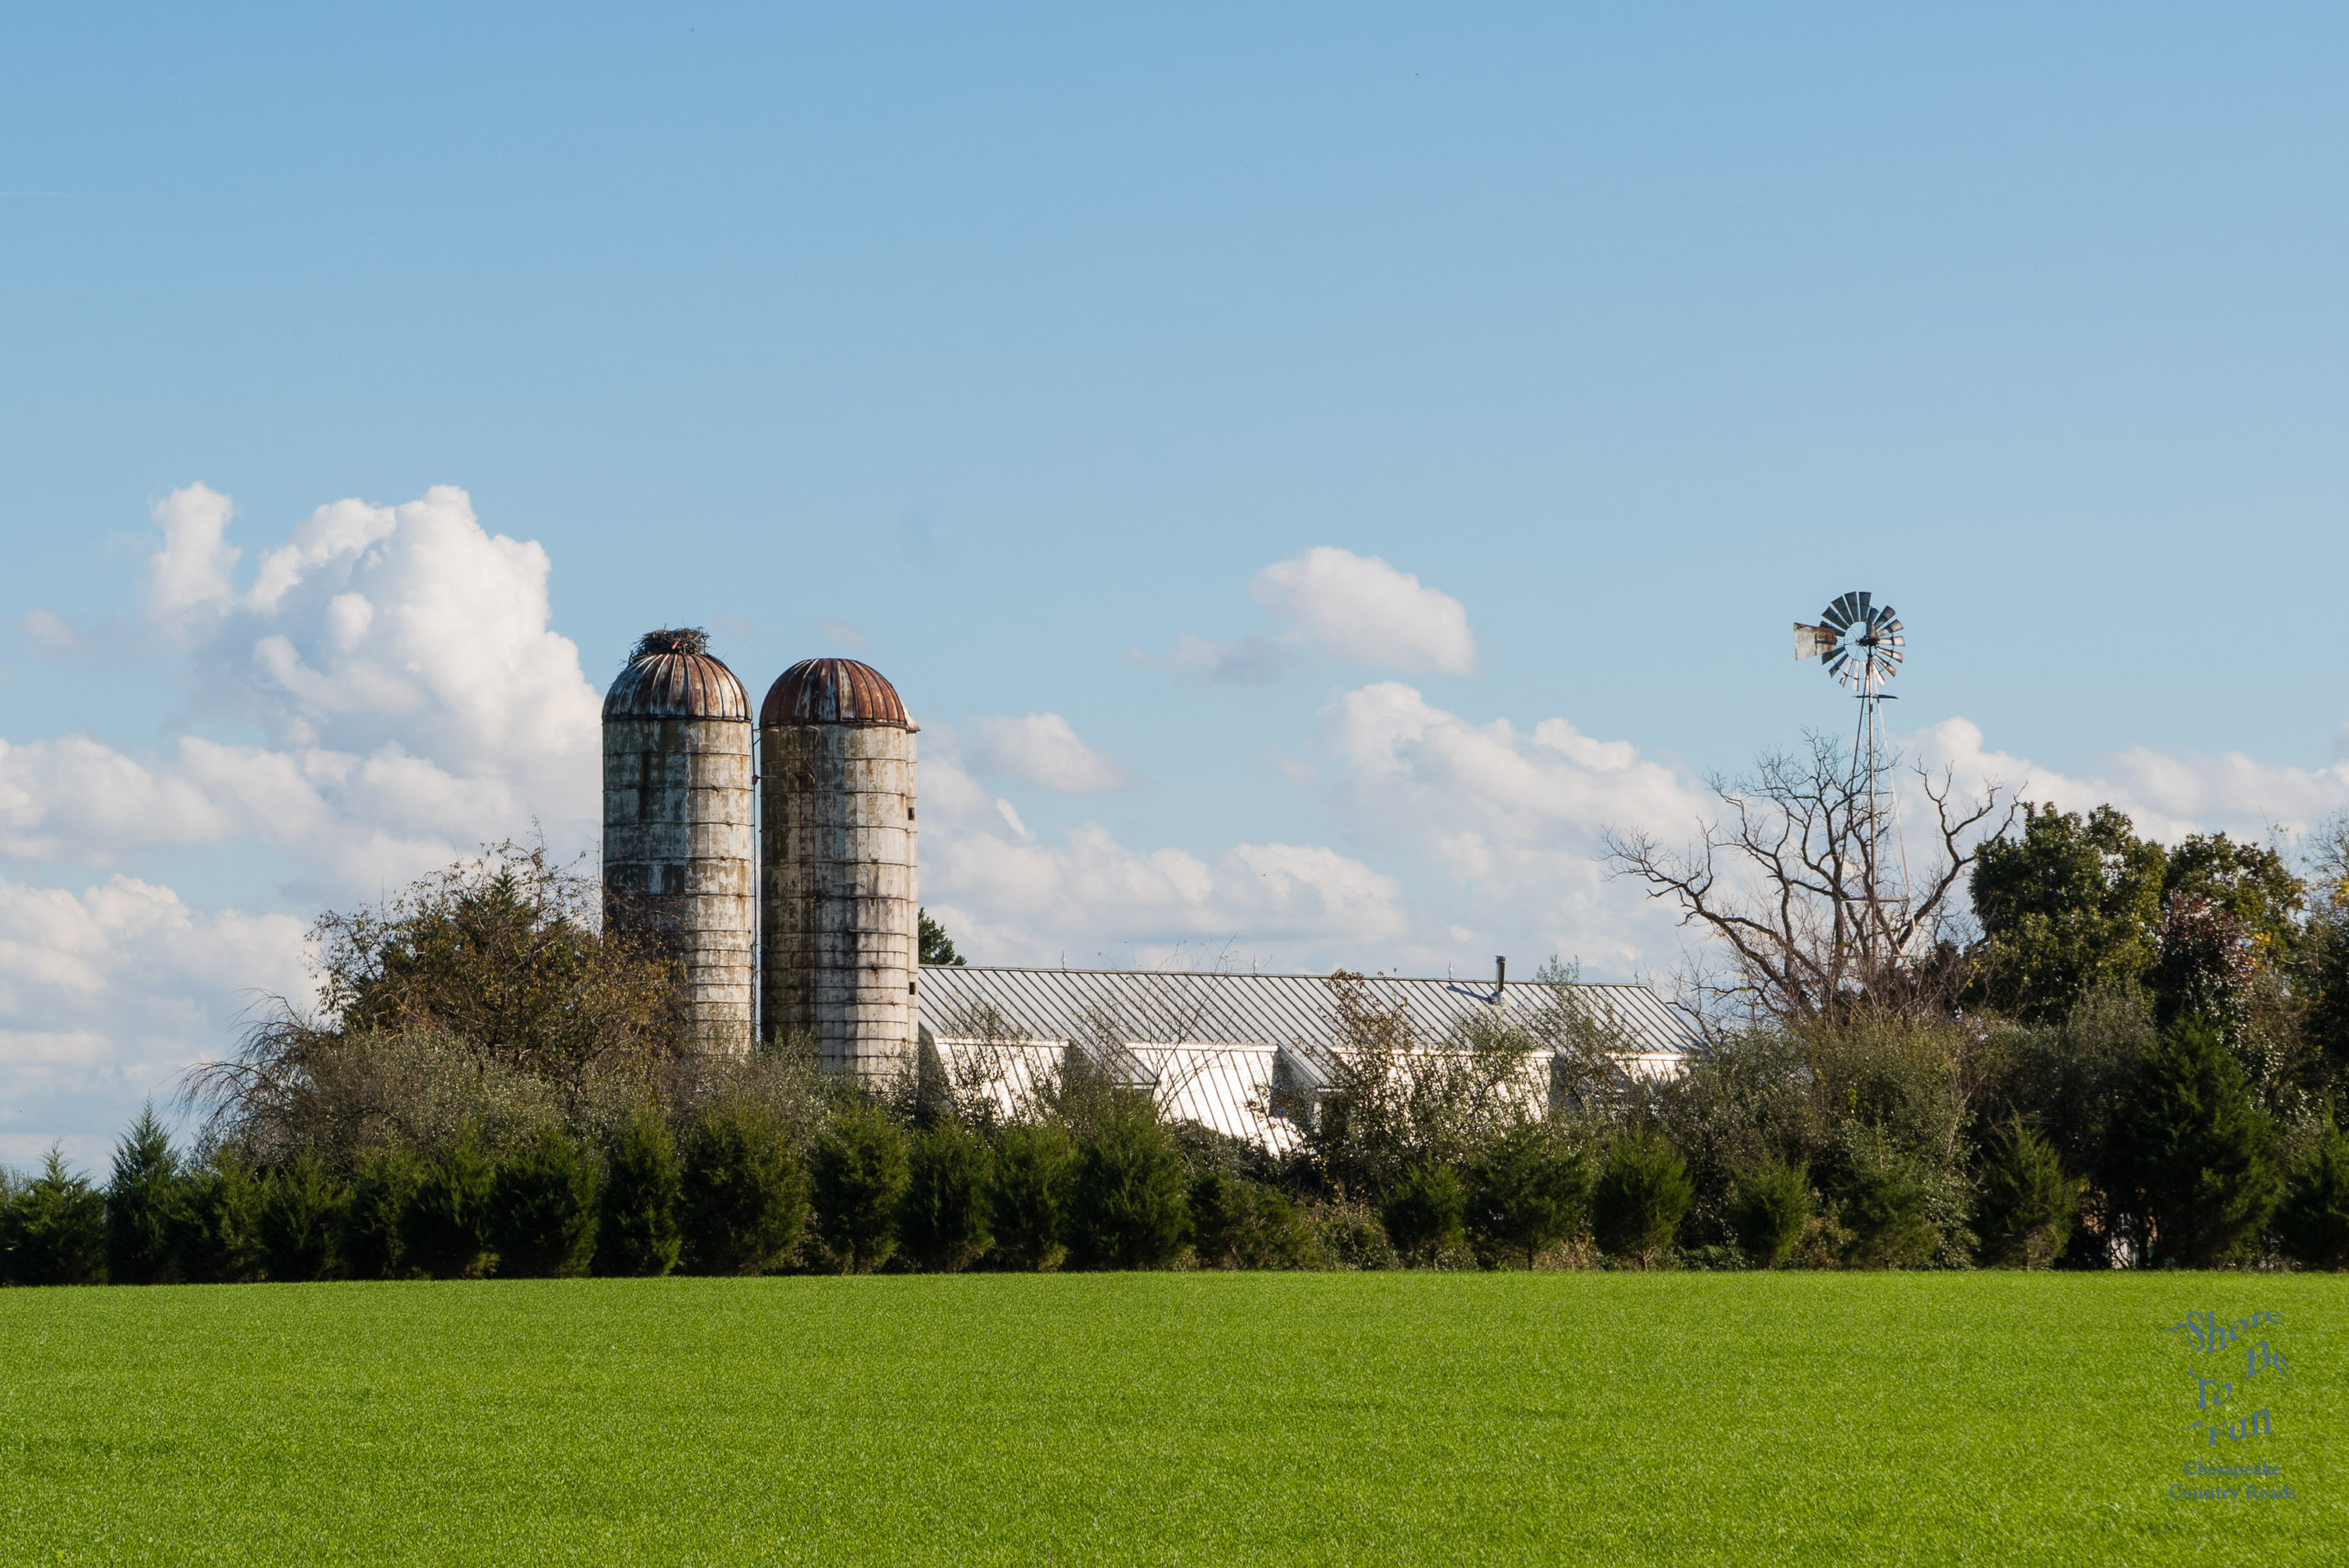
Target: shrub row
(734, 1192)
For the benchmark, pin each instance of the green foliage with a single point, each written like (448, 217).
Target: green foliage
(53, 1230)
(636, 1230)
(742, 1194)
(1350, 1236)
(1887, 1207)
(2066, 1080)
(1426, 1211)
(1528, 1190)
(504, 950)
(145, 1191)
(1898, 1081)
(423, 1089)
(2191, 1158)
(484, 998)
(368, 1235)
(2027, 1206)
(943, 1220)
(2312, 1222)
(1127, 1205)
(1771, 1206)
(297, 1218)
(2250, 882)
(2071, 906)
(2321, 979)
(2204, 967)
(1035, 1166)
(1240, 1224)
(1747, 1100)
(860, 1172)
(218, 1229)
(541, 1214)
(1390, 1103)
(1637, 1202)
(444, 1229)
(937, 947)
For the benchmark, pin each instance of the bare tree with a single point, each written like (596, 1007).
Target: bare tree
(1802, 879)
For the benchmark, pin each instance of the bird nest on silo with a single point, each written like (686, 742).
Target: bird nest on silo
(670, 639)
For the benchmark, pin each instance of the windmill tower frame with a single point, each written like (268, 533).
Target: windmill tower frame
(1861, 645)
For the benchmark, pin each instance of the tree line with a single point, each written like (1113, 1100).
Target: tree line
(2120, 1053)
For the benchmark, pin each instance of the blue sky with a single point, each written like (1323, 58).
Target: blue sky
(1009, 351)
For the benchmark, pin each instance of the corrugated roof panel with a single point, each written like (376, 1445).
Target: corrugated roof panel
(1124, 1006)
(1208, 1046)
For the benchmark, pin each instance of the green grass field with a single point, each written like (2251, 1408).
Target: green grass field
(1681, 1419)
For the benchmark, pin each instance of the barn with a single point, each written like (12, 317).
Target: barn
(1249, 1054)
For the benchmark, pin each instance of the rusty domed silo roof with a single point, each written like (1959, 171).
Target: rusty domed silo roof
(833, 691)
(672, 674)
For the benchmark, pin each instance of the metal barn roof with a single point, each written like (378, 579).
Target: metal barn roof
(1212, 1047)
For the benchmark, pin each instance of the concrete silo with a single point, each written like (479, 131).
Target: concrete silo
(678, 847)
(837, 898)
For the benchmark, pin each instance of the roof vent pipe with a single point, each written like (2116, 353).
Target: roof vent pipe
(1501, 978)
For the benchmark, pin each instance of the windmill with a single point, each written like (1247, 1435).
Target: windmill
(1860, 644)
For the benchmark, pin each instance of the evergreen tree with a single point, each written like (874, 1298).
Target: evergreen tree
(1426, 1211)
(53, 1230)
(2191, 1158)
(145, 1190)
(742, 1196)
(542, 1218)
(937, 947)
(1767, 1215)
(1887, 1211)
(2027, 1206)
(218, 1226)
(2312, 1222)
(1639, 1198)
(1028, 1198)
(368, 1227)
(637, 1231)
(1222, 1214)
(944, 1222)
(860, 1171)
(1529, 1189)
(1240, 1224)
(1127, 1205)
(444, 1229)
(296, 1219)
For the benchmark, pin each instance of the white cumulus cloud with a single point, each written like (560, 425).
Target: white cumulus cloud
(2167, 795)
(1510, 822)
(1010, 897)
(412, 701)
(1043, 749)
(1359, 609)
(401, 661)
(108, 994)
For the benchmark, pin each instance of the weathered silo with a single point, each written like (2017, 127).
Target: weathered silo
(678, 845)
(838, 899)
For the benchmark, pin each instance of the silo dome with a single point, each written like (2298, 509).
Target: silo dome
(838, 905)
(673, 675)
(833, 691)
(679, 857)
